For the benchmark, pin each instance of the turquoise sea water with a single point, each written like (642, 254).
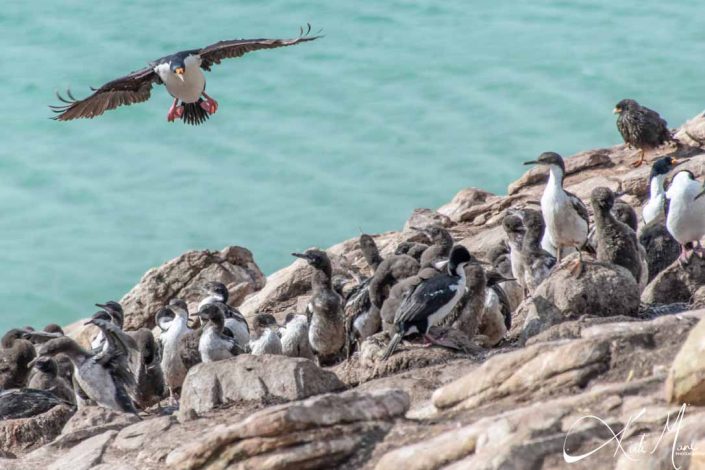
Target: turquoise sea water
(399, 106)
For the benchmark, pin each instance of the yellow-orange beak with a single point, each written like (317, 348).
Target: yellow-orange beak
(616, 110)
(179, 71)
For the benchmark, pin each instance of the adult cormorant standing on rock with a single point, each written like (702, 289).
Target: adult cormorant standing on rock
(656, 207)
(431, 301)
(566, 217)
(686, 214)
(641, 127)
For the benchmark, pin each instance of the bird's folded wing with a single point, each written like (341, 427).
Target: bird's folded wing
(579, 207)
(133, 88)
(428, 297)
(214, 53)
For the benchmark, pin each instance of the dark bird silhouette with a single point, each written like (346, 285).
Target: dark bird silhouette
(15, 357)
(641, 128)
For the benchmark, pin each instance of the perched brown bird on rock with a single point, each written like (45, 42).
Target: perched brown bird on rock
(641, 127)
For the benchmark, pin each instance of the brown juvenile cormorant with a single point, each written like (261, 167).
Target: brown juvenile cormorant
(641, 127)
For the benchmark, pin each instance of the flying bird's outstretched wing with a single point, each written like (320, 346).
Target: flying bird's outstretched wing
(127, 90)
(214, 53)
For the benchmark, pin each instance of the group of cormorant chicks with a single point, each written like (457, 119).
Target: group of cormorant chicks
(423, 289)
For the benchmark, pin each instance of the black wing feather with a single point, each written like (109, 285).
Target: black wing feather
(133, 88)
(425, 300)
(214, 53)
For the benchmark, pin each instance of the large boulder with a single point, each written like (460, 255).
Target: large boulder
(181, 277)
(86, 455)
(90, 421)
(22, 435)
(263, 379)
(676, 283)
(321, 432)
(603, 290)
(461, 203)
(686, 378)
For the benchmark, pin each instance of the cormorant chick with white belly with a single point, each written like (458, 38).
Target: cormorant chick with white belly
(213, 344)
(295, 337)
(616, 241)
(326, 332)
(566, 217)
(431, 301)
(172, 363)
(513, 225)
(264, 338)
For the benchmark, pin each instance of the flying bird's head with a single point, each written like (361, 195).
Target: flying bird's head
(178, 67)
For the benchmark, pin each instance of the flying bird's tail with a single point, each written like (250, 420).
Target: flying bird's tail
(194, 114)
(392, 346)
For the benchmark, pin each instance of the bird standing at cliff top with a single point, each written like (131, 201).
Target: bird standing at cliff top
(641, 127)
(686, 214)
(565, 215)
(181, 73)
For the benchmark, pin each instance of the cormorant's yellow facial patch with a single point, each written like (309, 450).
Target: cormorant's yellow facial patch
(617, 110)
(179, 71)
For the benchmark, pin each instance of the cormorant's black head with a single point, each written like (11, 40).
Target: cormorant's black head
(217, 289)
(459, 257)
(625, 105)
(548, 158)
(513, 225)
(179, 304)
(46, 364)
(316, 258)
(626, 214)
(9, 338)
(663, 165)
(264, 320)
(602, 199)
(177, 66)
(213, 312)
(163, 317)
(369, 250)
(115, 311)
(533, 221)
(100, 315)
(53, 328)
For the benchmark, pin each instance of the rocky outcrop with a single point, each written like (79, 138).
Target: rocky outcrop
(686, 378)
(579, 350)
(263, 379)
(602, 289)
(321, 432)
(18, 436)
(180, 277)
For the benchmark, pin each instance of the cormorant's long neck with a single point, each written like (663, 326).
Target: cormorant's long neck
(603, 216)
(322, 279)
(532, 237)
(373, 258)
(555, 177)
(656, 186)
(445, 241)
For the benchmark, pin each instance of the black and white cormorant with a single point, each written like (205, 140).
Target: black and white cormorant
(174, 328)
(217, 292)
(656, 207)
(326, 319)
(182, 75)
(566, 217)
(213, 344)
(104, 378)
(686, 214)
(431, 301)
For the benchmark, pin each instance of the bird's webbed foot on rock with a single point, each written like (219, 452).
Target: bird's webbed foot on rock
(640, 161)
(576, 266)
(686, 255)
